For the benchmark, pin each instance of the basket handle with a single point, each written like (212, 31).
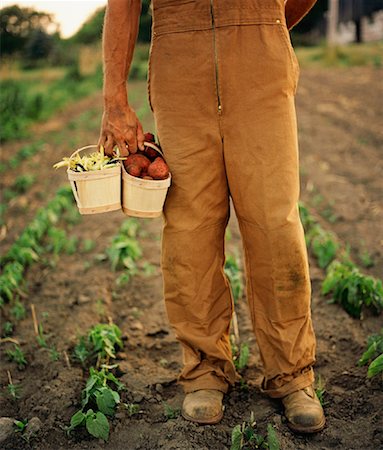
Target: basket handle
(81, 149)
(154, 147)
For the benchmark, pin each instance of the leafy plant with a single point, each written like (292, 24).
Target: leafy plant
(240, 355)
(373, 355)
(245, 436)
(7, 328)
(233, 272)
(170, 412)
(352, 289)
(132, 408)
(323, 245)
(125, 250)
(17, 355)
(320, 390)
(99, 400)
(20, 424)
(13, 391)
(18, 311)
(104, 339)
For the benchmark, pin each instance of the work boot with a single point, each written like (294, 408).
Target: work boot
(203, 406)
(303, 411)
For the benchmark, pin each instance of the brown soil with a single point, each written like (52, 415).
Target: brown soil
(339, 114)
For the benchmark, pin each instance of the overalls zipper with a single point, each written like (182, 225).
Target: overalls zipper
(215, 57)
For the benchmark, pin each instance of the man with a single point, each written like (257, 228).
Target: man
(222, 81)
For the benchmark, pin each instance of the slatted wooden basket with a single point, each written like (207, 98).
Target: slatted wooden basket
(143, 198)
(96, 191)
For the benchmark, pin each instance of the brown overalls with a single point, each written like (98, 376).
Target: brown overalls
(222, 80)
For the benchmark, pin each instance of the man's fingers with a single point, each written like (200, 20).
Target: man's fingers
(101, 141)
(109, 145)
(124, 151)
(132, 143)
(140, 136)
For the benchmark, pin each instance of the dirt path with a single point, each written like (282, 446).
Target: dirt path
(80, 291)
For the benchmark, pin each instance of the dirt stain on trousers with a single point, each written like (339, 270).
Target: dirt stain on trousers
(222, 82)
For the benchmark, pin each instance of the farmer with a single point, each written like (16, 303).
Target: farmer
(222, 82)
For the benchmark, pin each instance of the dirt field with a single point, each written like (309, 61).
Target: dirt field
(340, 116)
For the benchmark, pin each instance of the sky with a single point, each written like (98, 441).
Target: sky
(69, 14)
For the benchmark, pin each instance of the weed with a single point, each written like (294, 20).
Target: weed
(18, 311)
(170, 412)
(352, 289)
(20, 425)
(7, 328)
(373, 355)
(13, 391)
(54, 354)
(245, 436)
(233, 272)
(17, 355)
(98, 394)
(240, 355)
(320, 390)
(132, 408)
(366, 259)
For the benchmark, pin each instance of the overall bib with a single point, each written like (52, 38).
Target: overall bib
(222, 81)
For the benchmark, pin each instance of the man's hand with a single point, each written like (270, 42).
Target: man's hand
(120, 127)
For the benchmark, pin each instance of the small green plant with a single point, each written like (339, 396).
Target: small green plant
(23, 183)
(241, 354)
(7, 328)
(18, 311)
(245, 437)
(320, 390)
(373, 355)
(87, 245)
(352, 289)
(125, 250)
(13, 389)
(170, 412)
(54, 354)
(323, 245)
(99, 400)
(17, 355)
(105, 338)
(82, 351)
(20, 425)
(234, 274)
(41, 337)
(132, 408)
(366, 259)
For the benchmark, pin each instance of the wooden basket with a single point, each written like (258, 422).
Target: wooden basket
(143, 198)
(96, 191)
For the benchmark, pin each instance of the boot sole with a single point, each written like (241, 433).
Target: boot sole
(306, 430)
(210, 421)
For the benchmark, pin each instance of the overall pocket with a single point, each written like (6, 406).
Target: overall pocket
(295, 69)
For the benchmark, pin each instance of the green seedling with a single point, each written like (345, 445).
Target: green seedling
(20, 425)
(41, 338)
(240, 355)
(323, 244)
(87, 245)
(99, 400)
(105, 338)
(13, 389)
(7, 328)
(54, 354)
(245, 437)
(320, 390)
(132, 408)
(17, 355)
(233, 272)
(366, 259)
(23, 183)
(352, 289)
(82, 351)
(125, 250)
(18, 311)
(373, 355)
(170, 412)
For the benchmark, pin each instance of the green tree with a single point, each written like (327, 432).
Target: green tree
(19, 25)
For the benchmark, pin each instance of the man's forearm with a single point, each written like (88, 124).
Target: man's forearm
(119, 38)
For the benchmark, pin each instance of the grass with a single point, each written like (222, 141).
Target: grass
(350, 55)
